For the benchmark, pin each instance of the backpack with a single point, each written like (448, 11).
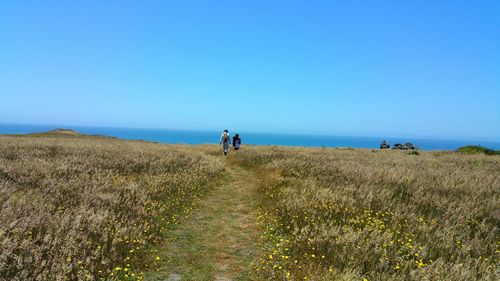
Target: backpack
(225, 138)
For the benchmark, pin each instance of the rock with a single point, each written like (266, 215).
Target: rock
(409, 146)
(385, 145)
(406, 146)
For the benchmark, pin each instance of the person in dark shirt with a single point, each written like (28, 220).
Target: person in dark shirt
(236, 142)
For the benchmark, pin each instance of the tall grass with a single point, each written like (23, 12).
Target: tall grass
(333, 214)
(80, 208)
(90, 208)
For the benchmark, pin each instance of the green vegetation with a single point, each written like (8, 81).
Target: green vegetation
(477, 149)
(414, 152)
(220, 239)
(77, 207)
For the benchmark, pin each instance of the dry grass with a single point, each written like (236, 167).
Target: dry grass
(334, 214)
(89, 208)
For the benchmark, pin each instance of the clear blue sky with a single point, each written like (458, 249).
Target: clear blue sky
(426, 69)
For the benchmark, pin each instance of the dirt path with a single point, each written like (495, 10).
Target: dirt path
(219, 241)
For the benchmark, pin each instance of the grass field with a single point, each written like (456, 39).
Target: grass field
(79, 207)
(86, 208)
(342, 214)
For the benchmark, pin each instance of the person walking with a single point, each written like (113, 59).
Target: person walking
(236, 142)
(225, 140)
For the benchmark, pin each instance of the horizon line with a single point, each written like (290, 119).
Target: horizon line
(68, 126)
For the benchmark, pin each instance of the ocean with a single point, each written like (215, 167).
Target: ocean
(207, 137)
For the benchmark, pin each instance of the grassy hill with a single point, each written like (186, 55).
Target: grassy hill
(76, 207)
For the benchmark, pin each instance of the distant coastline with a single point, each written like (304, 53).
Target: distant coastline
(211, 137)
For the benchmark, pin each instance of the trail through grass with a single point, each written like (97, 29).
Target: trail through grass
(219, 240)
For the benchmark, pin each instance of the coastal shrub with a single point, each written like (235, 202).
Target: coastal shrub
(477, 149)
(88, 208)
(352, 214)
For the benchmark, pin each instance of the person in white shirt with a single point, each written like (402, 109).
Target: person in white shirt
(225, 140)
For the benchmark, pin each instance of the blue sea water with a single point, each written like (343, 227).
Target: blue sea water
(206, 137)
